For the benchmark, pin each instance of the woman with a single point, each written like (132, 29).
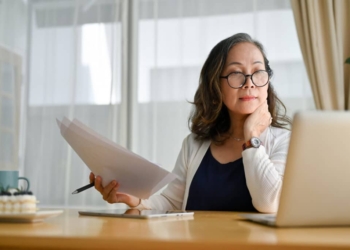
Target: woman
(234, 159)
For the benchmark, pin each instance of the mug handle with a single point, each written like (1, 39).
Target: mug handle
(28, 183)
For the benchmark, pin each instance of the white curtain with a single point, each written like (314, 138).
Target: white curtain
(128, 69)
(74, 71)
(13, 16)
(175, 37)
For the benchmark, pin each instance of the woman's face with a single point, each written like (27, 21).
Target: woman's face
(245, 58)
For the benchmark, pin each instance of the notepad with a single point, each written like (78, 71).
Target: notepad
(136, 175)
(138, 214)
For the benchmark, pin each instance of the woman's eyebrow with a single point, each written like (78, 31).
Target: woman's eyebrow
(233, 63)
(238, 63)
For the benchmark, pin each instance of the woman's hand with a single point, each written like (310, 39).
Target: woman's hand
(257, 122)
(110, 192)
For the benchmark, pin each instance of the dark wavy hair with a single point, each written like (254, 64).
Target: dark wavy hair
(210, 118)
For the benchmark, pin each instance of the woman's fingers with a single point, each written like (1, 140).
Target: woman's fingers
(107, 189)
(104, 190)
(98, 184)
(263, 114)
(109, 192)
(112, 196)
(257, 122)
(92, 177)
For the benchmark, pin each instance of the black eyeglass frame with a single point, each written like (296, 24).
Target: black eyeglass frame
(245, 79)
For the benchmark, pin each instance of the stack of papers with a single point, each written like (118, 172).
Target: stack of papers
(136, 175)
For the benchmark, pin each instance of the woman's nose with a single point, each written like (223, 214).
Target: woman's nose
(248, 83)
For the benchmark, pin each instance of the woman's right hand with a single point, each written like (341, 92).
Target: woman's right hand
(257, 122)
(110, 192)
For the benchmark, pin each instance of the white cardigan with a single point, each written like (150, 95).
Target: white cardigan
(263, 167)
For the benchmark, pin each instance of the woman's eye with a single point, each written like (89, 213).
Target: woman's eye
(259, 70)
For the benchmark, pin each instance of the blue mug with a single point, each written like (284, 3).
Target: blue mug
(9, 179)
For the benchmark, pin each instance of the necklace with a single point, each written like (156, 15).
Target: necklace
(237, 139)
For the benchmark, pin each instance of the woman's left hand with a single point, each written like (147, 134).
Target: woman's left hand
(257, 122)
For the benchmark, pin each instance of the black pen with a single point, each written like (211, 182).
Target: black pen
(84, 188)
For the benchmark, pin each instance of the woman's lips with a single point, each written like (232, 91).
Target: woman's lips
(247, 98)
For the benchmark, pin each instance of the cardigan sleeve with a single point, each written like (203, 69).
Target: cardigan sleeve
(172, 196)
(264, 172)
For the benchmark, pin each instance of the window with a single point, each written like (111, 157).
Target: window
(175, 38)
(128, 69)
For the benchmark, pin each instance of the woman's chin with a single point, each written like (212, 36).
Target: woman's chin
(242, 113)
(243, 110)
(247, 111)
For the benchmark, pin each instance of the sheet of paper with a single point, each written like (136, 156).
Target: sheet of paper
(136, 175)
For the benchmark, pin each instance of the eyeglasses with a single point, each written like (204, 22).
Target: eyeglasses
(237, 80)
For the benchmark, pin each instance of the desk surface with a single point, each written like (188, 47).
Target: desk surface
(206, 230)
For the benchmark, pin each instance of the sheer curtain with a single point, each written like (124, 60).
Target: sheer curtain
(175, 37)
(12, 68)
(127, 69)
(75, 54)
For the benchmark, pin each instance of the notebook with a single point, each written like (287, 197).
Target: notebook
(316, 182)
(137, 214)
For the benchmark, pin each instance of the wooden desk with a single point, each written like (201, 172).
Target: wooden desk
(206, 230)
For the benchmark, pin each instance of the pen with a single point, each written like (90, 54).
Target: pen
(84, 188)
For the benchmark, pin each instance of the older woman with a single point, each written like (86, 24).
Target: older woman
(234, 158)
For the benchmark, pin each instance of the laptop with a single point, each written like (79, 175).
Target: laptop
(137, 214)
(316, 182)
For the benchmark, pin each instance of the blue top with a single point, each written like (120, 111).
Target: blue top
(219, 187)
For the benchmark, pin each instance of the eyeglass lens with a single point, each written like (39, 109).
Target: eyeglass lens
(237, 79)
